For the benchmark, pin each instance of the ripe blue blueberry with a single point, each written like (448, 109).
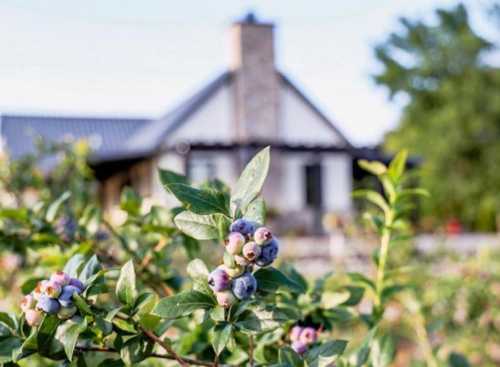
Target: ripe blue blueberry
(242, 226)
(66, 296)
(268, 254)
(244, 286)
(219, 280)
(77, 283)
(47, 304)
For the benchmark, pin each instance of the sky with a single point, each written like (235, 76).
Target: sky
(142, 57)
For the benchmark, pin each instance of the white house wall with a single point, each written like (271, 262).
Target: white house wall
(210, 123)
(337, 182)
(300, 124)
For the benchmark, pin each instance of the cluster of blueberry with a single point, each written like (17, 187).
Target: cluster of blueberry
(246, 246)
(52, 296)
(302, 337)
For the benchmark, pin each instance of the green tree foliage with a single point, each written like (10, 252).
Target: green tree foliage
(451, 118)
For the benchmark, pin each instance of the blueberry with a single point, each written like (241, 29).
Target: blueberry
(66, 312)
(33, 317)
(299, 347)
(225, 299)
(308, 335)
(262, 236)
(28, 302)
(268, 254)
(77, 283)
(242, 226)
(251, 251)
(244, 286)
(219, 280)
(295, 333)
(235, 243)
(66, 296)
(60, 277)
(47, 304)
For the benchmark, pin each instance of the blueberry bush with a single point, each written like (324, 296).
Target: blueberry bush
(98, 294)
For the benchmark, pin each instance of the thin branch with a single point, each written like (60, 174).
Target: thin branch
(250, 351)
(165, 346)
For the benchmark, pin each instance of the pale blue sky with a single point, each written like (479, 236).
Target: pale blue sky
(141, 57)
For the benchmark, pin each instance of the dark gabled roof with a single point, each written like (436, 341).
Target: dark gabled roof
(107, 136)
(151, 137)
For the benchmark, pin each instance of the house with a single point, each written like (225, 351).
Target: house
(214, 132)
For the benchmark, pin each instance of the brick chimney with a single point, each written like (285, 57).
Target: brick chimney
(256, 81)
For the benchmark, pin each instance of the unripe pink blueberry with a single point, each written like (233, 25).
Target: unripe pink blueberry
(262, 236)
(28, 302)
(66, 312)
(295, 333)
(299, 347)
(39, 289)
(52, 289)
(60, 277)
(235, 243)
(33, 317)
(251, 251)
(225, 299)
(308, 335)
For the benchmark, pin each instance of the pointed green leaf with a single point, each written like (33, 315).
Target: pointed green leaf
(220, 337)
(55, 206)
(126, 290)
(183, 304)
(200, 227)
(270, 279)
(288, 357)
(256, 211)
(325, 353)
(397, 165)
(201, 202)
(251, 181)
(374, 167)
(68, 333)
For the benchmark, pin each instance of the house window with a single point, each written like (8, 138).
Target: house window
(313, 187)
(200, 169)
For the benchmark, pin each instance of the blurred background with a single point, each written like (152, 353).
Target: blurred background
(97, 95)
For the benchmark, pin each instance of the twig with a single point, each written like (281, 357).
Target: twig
(165, 346)
(250, 351)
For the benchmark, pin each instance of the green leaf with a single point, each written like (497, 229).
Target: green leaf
(374, 167)
(109, 362)
(251, 181)
(325, 353)
(288, 357)
(197, 201)
(182, 304)
(457, 360)
(200, 227)
(130, 201)
(256, 211)
(269, 279)
(124, 325)
(68, 333)
(126, 290)
(55, 206)
(397, 166)
(220, 337)
(373, 197)
(197, 269)
(46, 332)
(74, 264)
(360, 278)
(30, 284)
(331, 299)
(89, 269)
(135, 350)
(7, 346)
(81, 305)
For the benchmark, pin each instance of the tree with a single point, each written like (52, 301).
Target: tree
(452, 115)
